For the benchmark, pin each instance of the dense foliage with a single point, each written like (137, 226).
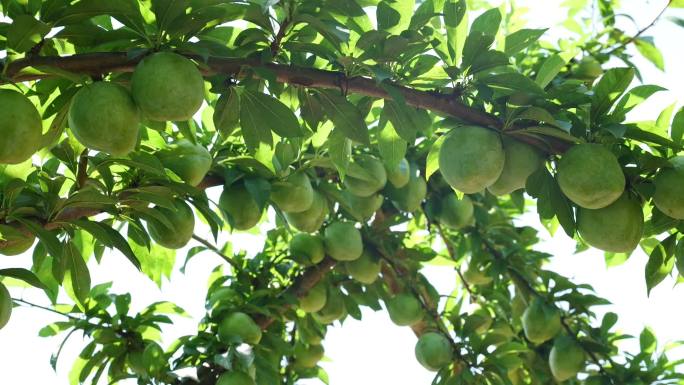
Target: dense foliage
(381, 135)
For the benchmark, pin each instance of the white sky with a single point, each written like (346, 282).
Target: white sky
(375, 351)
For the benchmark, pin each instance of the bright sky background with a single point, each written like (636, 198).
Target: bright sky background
(375, 351)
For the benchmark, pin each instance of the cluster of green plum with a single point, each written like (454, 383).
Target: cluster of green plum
(472, 159)
(541, 323)
(105, 116)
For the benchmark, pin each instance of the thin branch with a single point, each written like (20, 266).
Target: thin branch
(519, 279)
(452, 254)
(30, 304)
(641, 31)
(216, 250)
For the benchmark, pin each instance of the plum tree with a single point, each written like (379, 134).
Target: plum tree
(368, 140)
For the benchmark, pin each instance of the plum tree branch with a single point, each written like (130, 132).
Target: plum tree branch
(97, 64)
(216, 250)
(518, 279)
(641, 31)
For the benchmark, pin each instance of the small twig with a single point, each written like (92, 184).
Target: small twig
(23, 302)
(216, 250)
(452, 254)
(641, 31)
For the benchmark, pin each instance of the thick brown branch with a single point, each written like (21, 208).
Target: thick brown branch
(103, 63)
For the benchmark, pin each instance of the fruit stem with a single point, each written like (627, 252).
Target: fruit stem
(216, 250)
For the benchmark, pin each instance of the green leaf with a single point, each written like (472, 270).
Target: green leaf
(634, 97)
(512, 81)
(432, 160)
(456, 24)
(562, 208)
(227, 113)
(345, 116)
(339, 149)
(521, 39)
(488, 60)
(394, 16)
(549, 69)
(156, 262)
(647, 341)
(475, 44)
(167, 11)
(77, 276)
(54, 328)
(660, 262)
(47, 238)
(23, 275)
(25, 32)
(268, 112)
(392, 147)
(401, 119)
(487, 23)
(109, 237)
(612, 84)
(648, 50)
(677, 129)
(127, 12)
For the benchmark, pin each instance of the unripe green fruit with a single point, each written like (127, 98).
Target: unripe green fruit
(309, 221)
(365, 269)
(588, 69)
(404, 309)
(21, 127)
(669, 185)
(409, 197)
(616, 228)
(590, 176)
(240, 327)
(135, 362)
(334, 308)
(5, 305)
(471, 158)
(307, 249)
(167, 86)
(189, 161)
(307, 356)
(315, 299)
(362, 208)
(14, 241)
(377, 174)
(433, 351)
(153, 358)
(104, 117)
(399, 175)
(343, 241)
(566, 358)
(237, 202)
(455, 213)
(183, 220)
(521, 161)
(294, 194)
(541, 322)
(235, 378)
(475, 276)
